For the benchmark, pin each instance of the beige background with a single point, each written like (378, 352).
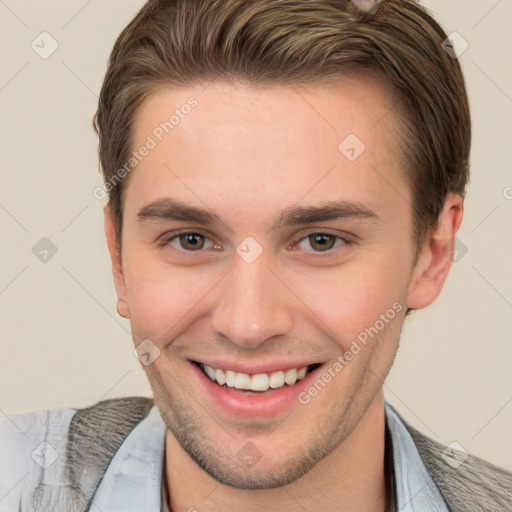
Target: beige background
(62, 341)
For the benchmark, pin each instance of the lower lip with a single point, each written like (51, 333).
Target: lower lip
(259, 405)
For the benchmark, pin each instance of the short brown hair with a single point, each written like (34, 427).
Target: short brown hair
(173, 43)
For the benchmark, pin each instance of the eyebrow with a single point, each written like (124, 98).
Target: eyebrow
(172, 209)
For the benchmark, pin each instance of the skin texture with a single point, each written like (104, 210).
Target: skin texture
(246, 154)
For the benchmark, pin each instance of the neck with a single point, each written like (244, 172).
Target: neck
(352, 477)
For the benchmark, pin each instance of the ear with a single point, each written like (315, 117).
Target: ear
(117, 269)
(436, 255)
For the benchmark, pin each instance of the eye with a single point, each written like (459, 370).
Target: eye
(321, 242)
(192, 241)
(189, 241)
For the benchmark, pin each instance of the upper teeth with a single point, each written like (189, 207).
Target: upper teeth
(256, 382)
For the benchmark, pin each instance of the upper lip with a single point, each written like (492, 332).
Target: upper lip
(256, 367)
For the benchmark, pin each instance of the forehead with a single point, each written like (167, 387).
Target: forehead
(250, 150)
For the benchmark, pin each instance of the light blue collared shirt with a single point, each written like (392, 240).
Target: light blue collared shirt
(133, 481)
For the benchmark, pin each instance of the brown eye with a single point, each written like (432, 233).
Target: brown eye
(322, 241)
(191, 241)
(188, 241)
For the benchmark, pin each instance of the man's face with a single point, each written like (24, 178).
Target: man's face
(258, 292)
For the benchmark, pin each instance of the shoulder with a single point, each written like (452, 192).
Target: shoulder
(466, 482)
(38, 448)
(29, 443)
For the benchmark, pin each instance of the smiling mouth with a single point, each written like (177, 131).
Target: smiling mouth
(259, 382)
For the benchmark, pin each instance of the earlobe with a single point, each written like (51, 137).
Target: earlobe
(436, 256)
(122, 308)
(117, 270)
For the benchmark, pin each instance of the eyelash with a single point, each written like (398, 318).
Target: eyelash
(345, 241)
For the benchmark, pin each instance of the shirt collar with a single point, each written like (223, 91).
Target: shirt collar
(415, 489)
(133, 480)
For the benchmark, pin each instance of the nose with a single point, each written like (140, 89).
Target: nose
(253, 304)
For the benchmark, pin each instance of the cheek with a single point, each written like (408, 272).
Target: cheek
(350, 299)
(161, 298)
